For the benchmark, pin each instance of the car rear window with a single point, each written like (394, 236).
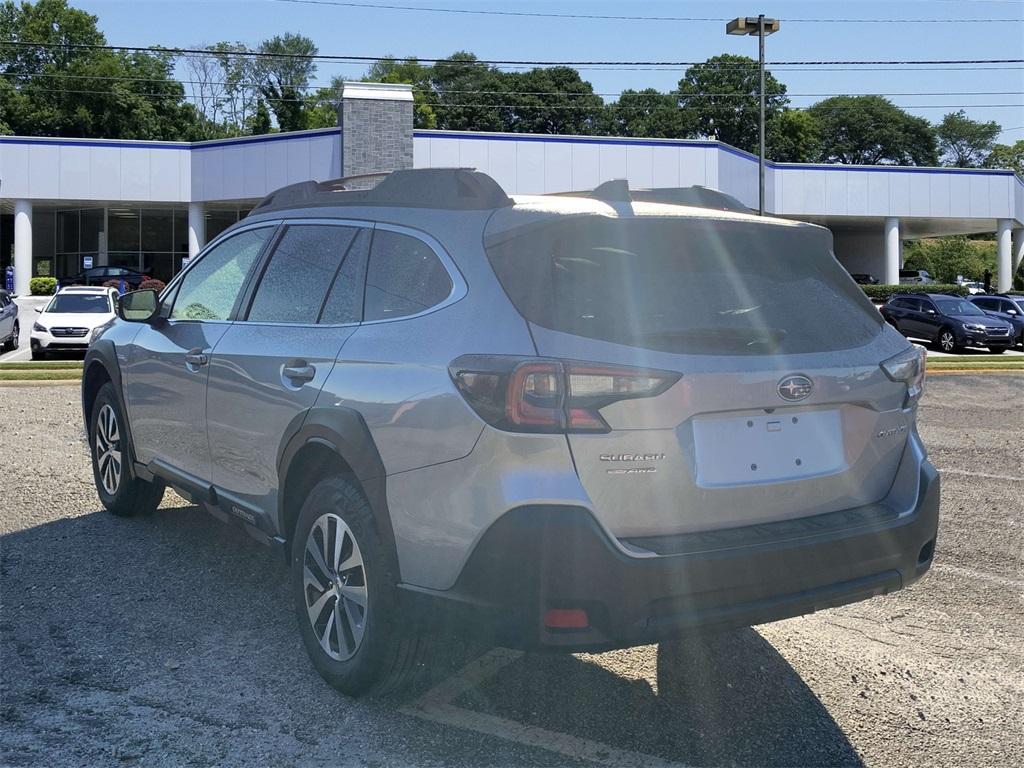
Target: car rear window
(80, 303)
(696, 286)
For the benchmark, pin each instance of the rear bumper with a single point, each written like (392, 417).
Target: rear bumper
(542, 557)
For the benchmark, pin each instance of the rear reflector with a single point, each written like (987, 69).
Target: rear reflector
(566, 618)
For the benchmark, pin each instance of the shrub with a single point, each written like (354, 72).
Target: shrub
(112, 284)
(883, 292)
(151, 284)
(42, 286)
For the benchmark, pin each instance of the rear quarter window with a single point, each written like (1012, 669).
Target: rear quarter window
(404, 277)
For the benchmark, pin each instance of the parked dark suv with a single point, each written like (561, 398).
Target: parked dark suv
(1009, 309)
(101, 275)
(572, 423)
(949, 322)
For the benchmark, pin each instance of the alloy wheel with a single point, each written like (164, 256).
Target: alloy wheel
(334, 585)
(15, 339)
(108, 449)
(947, 341)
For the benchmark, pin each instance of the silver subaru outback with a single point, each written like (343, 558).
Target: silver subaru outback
(572, 422)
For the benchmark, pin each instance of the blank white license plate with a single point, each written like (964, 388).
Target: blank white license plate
(768, 448)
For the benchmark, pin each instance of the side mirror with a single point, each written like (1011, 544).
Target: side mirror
(930, 311)
(138, 306)
(39, 310)
(1012, 312)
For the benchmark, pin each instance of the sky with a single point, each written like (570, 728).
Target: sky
(974, 29)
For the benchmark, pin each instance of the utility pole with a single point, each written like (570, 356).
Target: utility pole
(762, 27)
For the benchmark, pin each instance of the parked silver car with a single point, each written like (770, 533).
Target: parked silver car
(576, 422)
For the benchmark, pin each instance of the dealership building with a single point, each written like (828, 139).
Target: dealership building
(149, 205)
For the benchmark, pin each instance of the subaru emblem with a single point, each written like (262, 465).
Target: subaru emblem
(796, 387)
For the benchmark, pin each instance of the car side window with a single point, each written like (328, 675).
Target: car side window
(300, 272)
(209, 289)
(344, 302)
(404, 277)
(927, 305)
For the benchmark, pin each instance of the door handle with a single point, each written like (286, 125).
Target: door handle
(196, 358)
(299, 373)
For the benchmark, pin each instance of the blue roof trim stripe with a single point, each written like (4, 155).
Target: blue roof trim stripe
(110, 144)
(267, 138)
(710, 144)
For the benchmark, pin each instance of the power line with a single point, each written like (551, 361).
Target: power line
(571, 94)
(538, 63)
(478, 105)
(615, 17)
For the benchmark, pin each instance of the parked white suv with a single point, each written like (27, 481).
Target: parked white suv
(67, 322)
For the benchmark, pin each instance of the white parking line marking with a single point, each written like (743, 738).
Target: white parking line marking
(1002, 581)
(435, 705)
(969, 473)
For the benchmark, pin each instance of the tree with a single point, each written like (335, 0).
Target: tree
(410, 71)
(948, 258)
(259, 122)
(284, 72)
(721, 97)
(794, 136)
(872, 130)
(648, 113)
(1007, 156)
(470, 96)
(965, 143)
(240, 74)
(85, 92)
(553, 100)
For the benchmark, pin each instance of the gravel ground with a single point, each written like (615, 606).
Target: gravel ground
(169, 640)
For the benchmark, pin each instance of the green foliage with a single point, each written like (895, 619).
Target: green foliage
(647, 113)
(71, 91)
(284, 76)
(417, 75)
(1007, 156)
(872, 130)
(793, 137)
(947, 258)
(721, 99)
(260, 121)
(882, 293)
(469, 96)
(965, 143)
(42, 286)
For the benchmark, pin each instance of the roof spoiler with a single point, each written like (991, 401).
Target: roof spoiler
(459, 189)
(618, 191)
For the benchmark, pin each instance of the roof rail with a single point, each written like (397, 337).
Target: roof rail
(463, 189)
(618, 191)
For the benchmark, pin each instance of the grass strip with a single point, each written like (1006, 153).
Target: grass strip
(40, 375)
(41, 365)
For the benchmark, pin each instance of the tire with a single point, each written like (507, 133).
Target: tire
(358, 649)
(38, 354)
(120, 491)
(946, 341)
(997, 350)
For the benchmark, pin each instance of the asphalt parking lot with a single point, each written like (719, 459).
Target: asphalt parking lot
(169, 640)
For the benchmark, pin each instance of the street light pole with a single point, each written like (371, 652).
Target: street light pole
(760, 156)
(762, 27)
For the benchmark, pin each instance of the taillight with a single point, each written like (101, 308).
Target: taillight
(908, 367)
(544, 395)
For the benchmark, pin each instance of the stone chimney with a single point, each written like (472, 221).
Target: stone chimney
(375, 120)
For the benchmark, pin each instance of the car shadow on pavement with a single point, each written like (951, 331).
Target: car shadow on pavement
(726, 699)
(153, 633)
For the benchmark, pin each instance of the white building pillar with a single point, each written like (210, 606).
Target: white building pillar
(1017, 250)
(1005, 277)
(892, 251)
(22, 246)
(196, 228)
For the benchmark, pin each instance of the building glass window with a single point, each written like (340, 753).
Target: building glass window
(123, 232)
